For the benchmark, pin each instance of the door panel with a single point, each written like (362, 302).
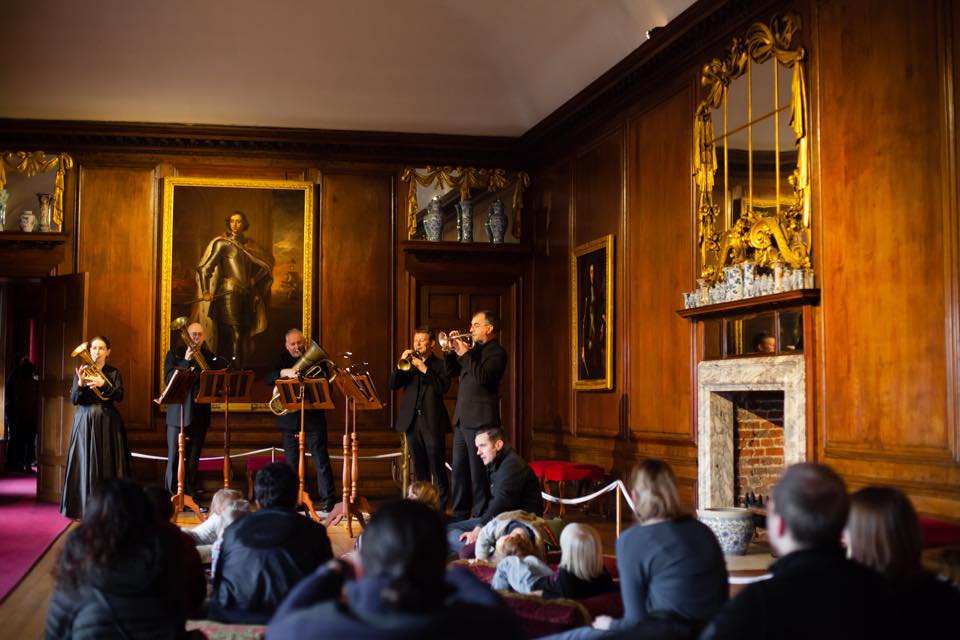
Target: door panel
(63, 328)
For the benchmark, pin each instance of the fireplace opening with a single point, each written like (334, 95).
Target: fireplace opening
(758, 443)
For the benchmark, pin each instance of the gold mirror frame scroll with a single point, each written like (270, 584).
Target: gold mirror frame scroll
(33, 163)
(464, 179)
(764, 239)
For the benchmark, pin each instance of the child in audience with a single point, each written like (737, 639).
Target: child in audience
(232, 512)
(581, 573)
(424, 492)
(208, 531)
(883, 533)
(518, 565)
(536, 528)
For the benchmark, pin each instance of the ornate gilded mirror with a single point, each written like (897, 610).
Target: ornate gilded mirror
(464, 203)
(751, 162)
(31, 190)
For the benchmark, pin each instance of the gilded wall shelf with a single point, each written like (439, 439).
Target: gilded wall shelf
(760, 303)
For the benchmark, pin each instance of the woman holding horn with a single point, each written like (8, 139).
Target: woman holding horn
(98, 439)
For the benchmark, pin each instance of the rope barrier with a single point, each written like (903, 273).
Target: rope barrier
(381, 456)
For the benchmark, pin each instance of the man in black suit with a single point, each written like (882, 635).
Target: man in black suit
(478, 405)
(422, 416)
(314, 423)
(196, 417)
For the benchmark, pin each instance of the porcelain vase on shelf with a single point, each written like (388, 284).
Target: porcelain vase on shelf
(733, 527)
(465, 221)
(496, 222)
(46, 211)
(28, 221)
(433, 221)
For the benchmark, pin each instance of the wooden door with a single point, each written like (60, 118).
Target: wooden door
(63, 328)
(445, 307)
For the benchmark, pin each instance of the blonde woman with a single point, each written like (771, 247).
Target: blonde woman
(672, 570)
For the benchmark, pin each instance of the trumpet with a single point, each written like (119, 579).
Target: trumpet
(445, 340)
(180, 324)
(309, 365)
(91, 372)
(404, 364)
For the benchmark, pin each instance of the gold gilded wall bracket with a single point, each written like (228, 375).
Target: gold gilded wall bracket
(758, 234)
(464, 179)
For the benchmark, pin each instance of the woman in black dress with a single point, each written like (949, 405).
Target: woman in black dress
(98, 440)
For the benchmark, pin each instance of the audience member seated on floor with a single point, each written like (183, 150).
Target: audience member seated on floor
(119, 574)
(231, 513)
(815, 591)
(518, 564)
(406, 591)
(883, 533)
(424, 492)
(513, 485)
(209, 530)
(267, 552)
(194, 580)
(532, 525)
(673, 576)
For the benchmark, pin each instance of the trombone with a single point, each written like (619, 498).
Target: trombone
(90, 371)
(180, 324)
(445, 340)
(310, 365)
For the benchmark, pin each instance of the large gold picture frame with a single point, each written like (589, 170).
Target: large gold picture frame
(591, 308)
(277, 245)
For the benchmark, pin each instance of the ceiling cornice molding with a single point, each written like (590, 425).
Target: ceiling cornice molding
(671, 50)
(216, 140)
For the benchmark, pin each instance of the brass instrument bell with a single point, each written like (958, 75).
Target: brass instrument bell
(405, 364)
(180, 324)
(309, 365)
(445, 340)
(90, 371)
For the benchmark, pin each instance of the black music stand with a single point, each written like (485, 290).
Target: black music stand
(297, 394)
(226, 387)
(360, 394)
(176, 392)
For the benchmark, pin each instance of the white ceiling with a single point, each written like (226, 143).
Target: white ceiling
(482, 67)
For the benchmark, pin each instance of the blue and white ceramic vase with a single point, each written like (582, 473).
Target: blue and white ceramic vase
(496, 222)
(433, 221)
(465, 221)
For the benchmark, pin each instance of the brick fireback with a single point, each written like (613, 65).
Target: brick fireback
(758, 442)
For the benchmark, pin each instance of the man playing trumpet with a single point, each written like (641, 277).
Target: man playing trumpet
(196, 417)
(422, 417)
(480, 362)
(314, 423)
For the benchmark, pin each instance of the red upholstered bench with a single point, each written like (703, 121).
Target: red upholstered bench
(939, 533)
(561, 472)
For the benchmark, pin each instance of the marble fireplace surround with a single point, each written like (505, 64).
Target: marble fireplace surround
(717, 380)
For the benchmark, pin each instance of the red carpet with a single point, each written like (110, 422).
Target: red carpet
(27, 528)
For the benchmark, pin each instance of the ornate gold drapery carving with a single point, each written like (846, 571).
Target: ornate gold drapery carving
(32, 163)
(465, 179)
(762, 238)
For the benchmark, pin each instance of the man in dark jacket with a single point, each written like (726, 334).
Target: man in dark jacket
(405, 592)
(478, 405)
(314, 424)
(513, 485)
(266, 553)
(815, 591)
(196, 417)
(422, 416)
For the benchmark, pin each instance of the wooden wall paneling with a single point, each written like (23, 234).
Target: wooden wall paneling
(355, 271)
(598, 209)
(659, 235)
(117, 238)
(549, 326)
(885, 179)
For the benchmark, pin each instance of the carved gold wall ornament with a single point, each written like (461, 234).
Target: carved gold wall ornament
(769, 227)
(465, 179)
(32, 163)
